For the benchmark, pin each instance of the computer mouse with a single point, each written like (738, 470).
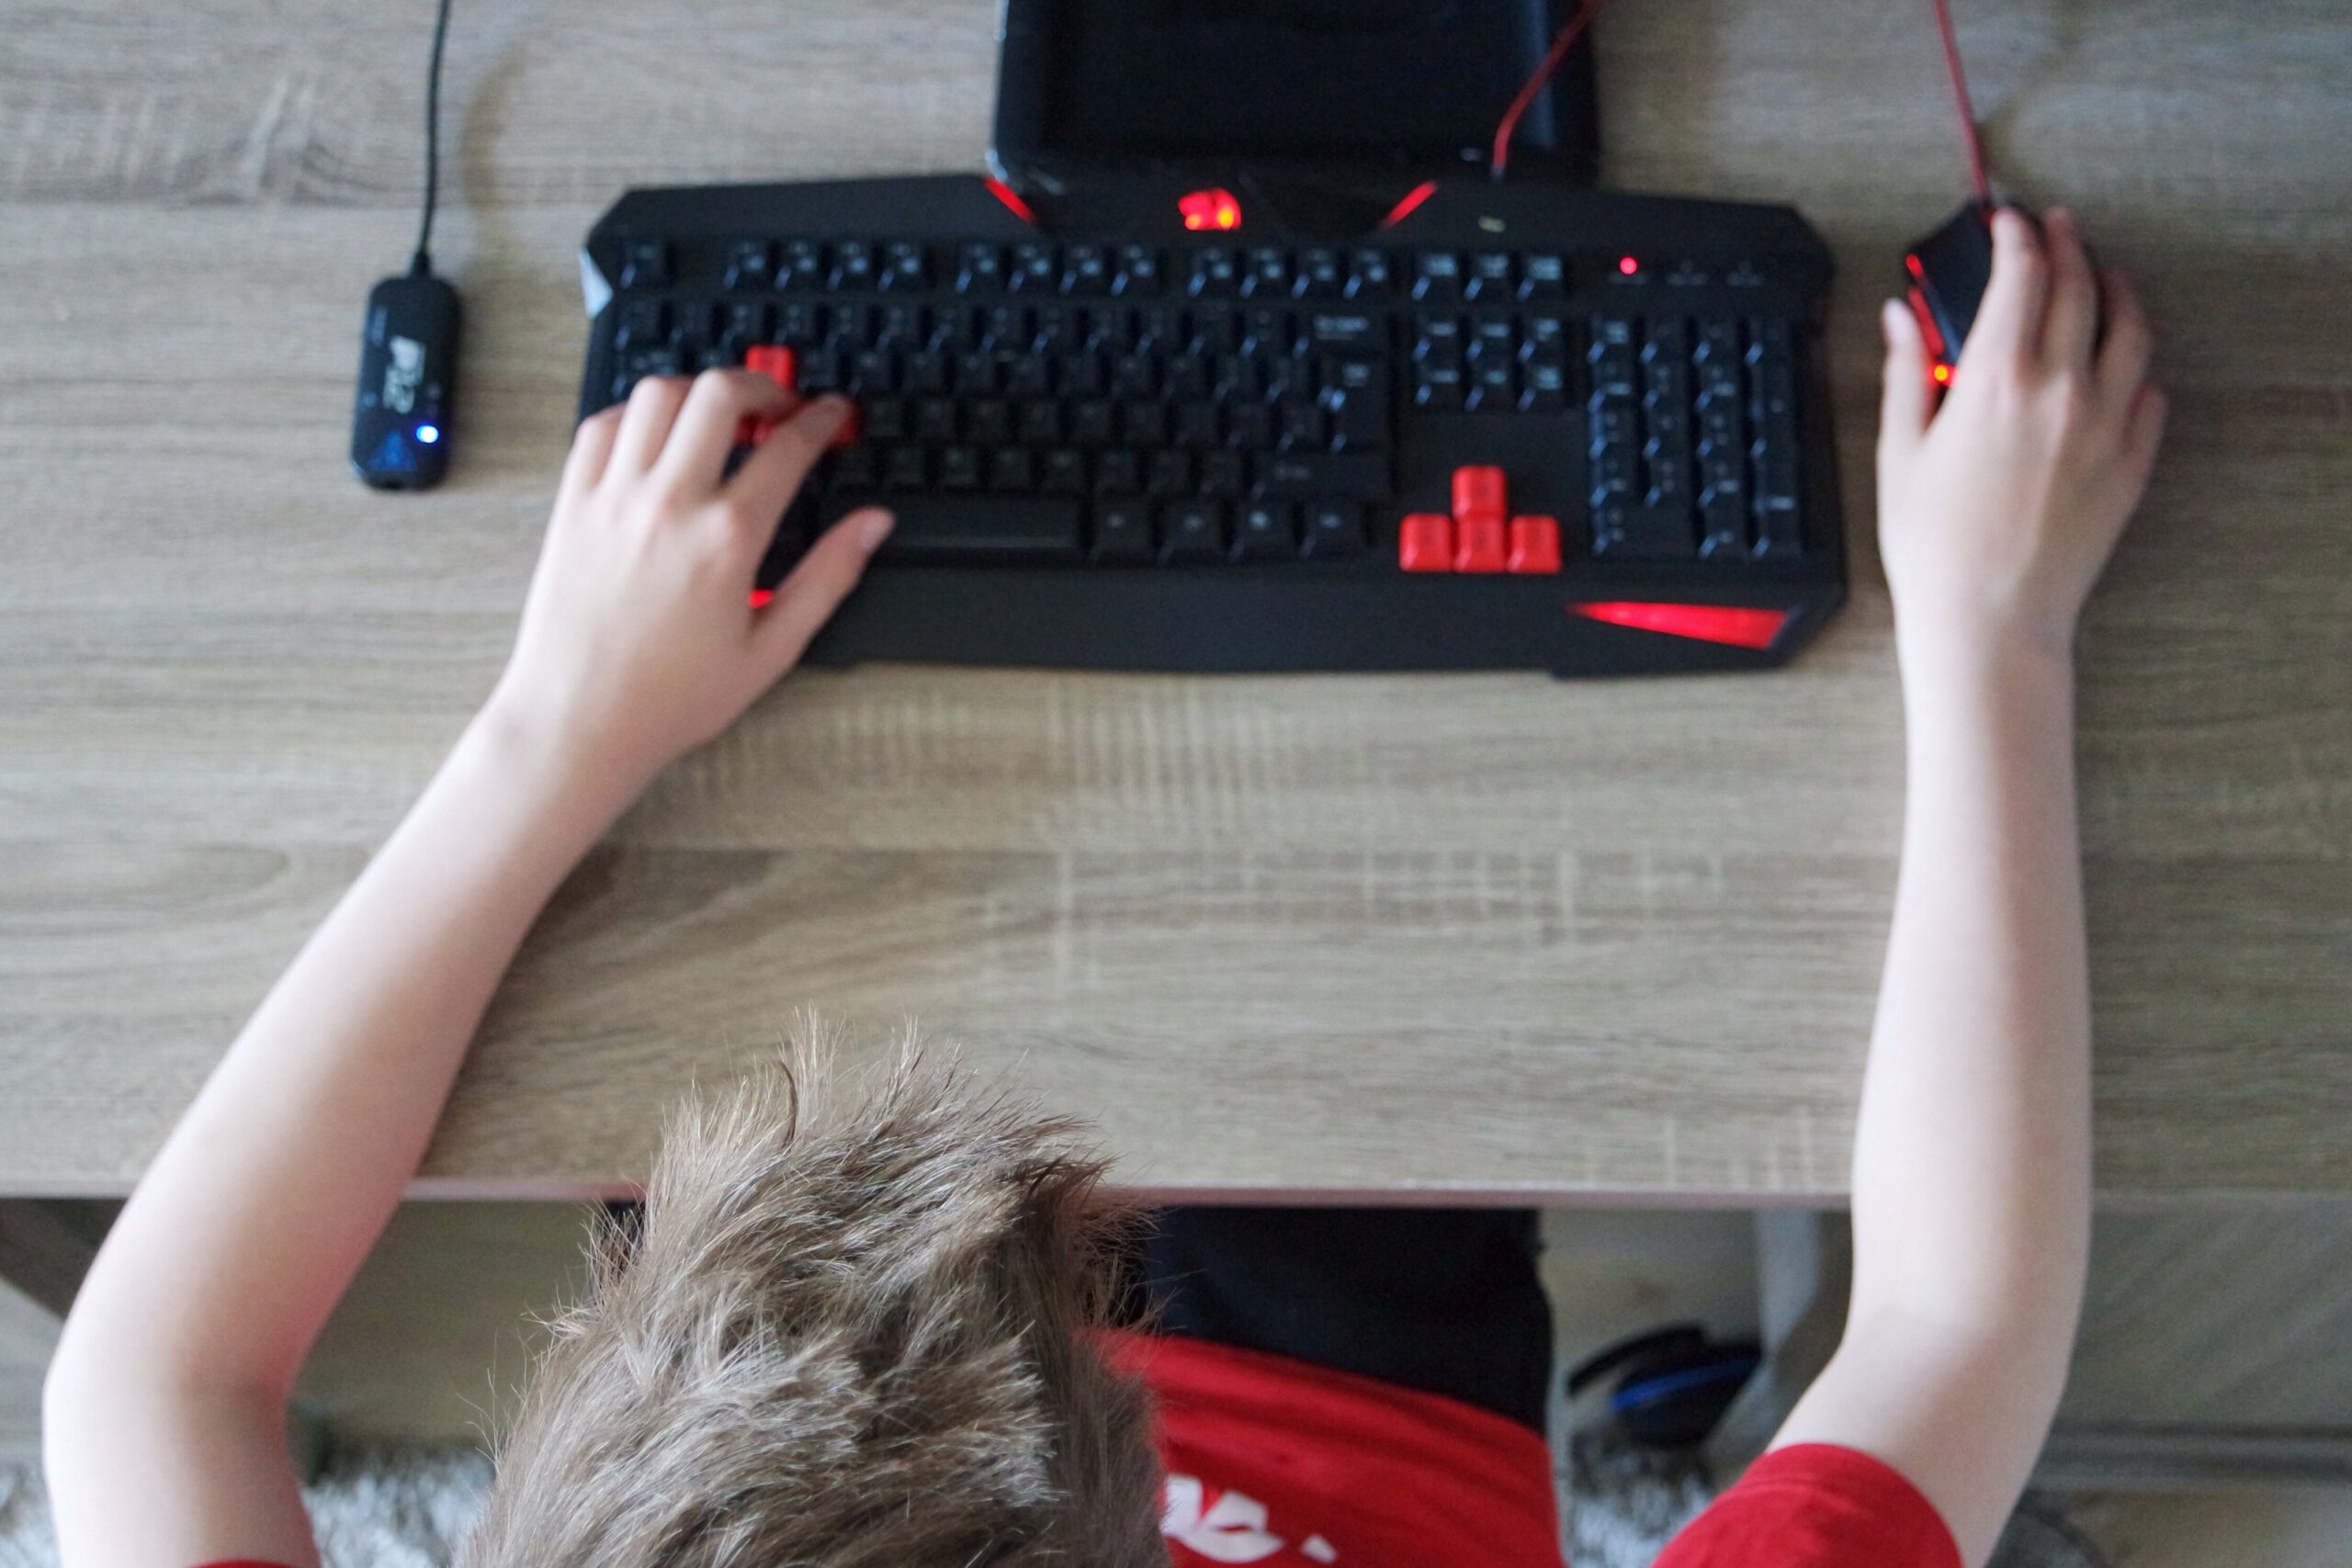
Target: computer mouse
(1950, 272)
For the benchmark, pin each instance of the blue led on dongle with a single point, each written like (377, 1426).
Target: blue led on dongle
(428, 434)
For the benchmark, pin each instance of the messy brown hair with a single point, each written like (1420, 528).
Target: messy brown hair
(847, 1330)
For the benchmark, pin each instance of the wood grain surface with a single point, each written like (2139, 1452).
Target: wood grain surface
(1448, 935)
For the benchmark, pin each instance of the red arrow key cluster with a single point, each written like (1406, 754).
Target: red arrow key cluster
(1477, 538)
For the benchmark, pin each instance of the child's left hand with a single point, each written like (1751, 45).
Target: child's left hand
(639, 639)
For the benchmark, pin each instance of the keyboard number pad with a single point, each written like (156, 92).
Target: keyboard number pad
(1694, 444)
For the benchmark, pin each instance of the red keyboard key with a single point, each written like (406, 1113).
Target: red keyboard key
(1479, 491)
(1425, 542)
(1534, 545)
(776, 362)
(1478, 544)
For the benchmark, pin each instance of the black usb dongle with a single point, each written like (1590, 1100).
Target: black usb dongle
(408, 368)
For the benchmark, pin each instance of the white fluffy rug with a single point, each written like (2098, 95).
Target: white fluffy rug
(374, 1506)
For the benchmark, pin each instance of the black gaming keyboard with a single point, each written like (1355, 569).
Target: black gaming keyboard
(1514, 426)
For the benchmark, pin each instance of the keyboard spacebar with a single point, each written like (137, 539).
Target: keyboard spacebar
(973, 528)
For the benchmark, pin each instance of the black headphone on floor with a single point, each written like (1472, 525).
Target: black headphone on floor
(1673, 1383)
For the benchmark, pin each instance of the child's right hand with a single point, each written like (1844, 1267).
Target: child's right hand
(1998, 511)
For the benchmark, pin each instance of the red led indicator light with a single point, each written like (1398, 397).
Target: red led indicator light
(1011, 198)
(1943, 375)
(1214, 208)
(1628, 265)
(762, 597)
(1413, 198)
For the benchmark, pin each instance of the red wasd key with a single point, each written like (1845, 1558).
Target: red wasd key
(775, 362)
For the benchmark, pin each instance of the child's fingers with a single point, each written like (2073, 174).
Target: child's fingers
(1907, 404)
(2124, 354)
(653, 405)
(696, 453)
(592, 449)
(2011, 314)
(2073, 316)
(807, 598)
(773, 475)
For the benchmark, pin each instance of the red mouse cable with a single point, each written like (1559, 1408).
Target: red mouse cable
(1969, 134)
(1565, 42)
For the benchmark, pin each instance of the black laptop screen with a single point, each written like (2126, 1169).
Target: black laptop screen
(1284, 78)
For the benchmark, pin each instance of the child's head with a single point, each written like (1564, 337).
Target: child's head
(848, 1330)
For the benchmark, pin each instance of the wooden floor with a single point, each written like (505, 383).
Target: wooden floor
(1448, 935)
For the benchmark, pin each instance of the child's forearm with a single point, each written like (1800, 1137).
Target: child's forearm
(262, 1204)
(1971, 1159)
(638, 642)
(1972, 1164)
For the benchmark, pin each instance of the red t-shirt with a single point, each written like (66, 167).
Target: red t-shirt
(1274, 1461)
(1816, 1505)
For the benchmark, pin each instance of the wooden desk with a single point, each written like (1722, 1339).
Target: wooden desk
(1467, 935)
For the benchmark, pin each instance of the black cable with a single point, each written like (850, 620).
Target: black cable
(1561, 43)
(420, 264)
